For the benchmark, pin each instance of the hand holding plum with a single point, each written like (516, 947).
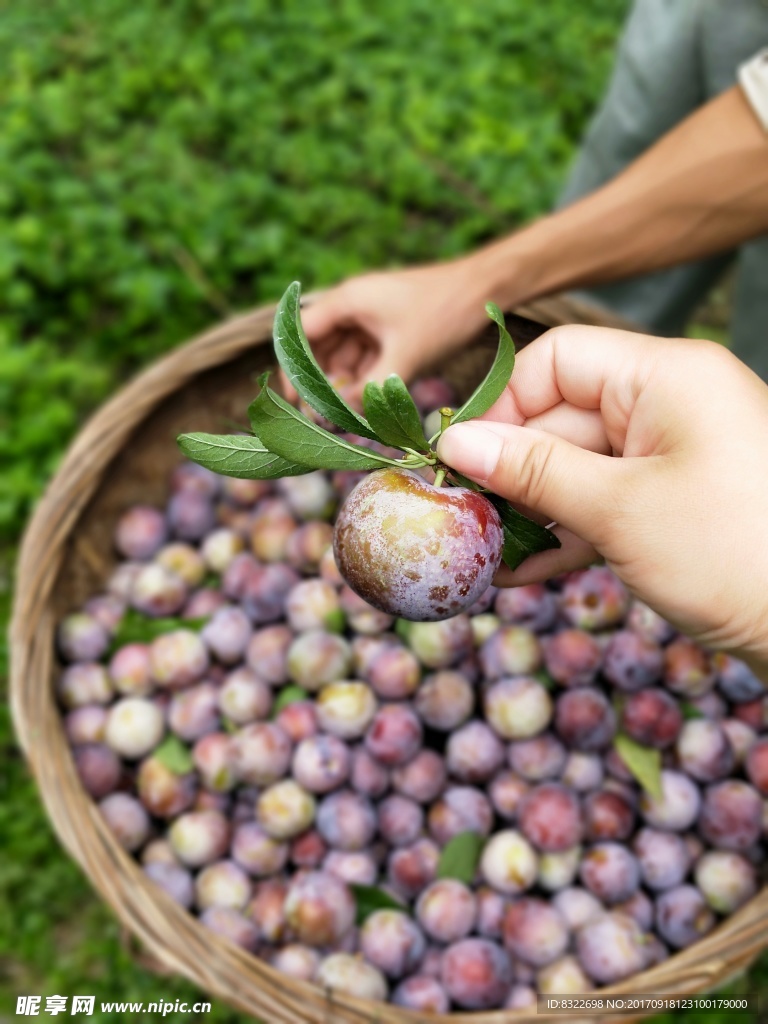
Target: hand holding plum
(679, 512)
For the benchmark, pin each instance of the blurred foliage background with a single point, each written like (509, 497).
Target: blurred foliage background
(162, 165)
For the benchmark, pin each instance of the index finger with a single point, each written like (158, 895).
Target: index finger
(574, 364)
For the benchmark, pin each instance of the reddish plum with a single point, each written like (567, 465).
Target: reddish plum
(394, 673)
(447, 910)
(460, 809)
(319, 908)
(164, 793)
(401, 820)
(703, 750)
(244, 697)
(608, 815)
(194, 712)
(476, 974)
(178, 658)
(537, 759)
(584, 719)
(532, 606)
(610, 872)
(394, 735)
(126, 819)
(550, 817)
(84, 684)
(632, 661)
(216, 760)
(534, 931)
(731, 815)
(682, 916)
(393, 942)
(140, 532)
(688, 669)
(321, 763)
(262, 753)
(414, 550)
(652, 717)
(174, 880)
(98, 768)
(411, 869)
(444, 700)
(422, 778)
(594, 599)
(506, 791)
(267, 653)
(573, 657)
(474, 753)
(610, 947)
(346, 820)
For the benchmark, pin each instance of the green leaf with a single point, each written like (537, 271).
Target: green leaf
(464, 481)
(643, 762)
(522, 537)
(136, 628)
(460, 856)
(497, 378)
(403, 628)
(369, 899)
(304, 372)
(240, 455)
(288, 432)
(174, 755)
(545, 679)
(393, 414)
(688, 710)
(288, 695)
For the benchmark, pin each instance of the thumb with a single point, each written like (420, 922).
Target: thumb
(566, 484)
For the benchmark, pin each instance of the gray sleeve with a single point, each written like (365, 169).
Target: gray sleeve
(753, 79)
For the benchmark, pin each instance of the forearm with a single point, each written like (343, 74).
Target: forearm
(701, 189)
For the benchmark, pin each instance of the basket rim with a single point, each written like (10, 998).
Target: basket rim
(156, 921)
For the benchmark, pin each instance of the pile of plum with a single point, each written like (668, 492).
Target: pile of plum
(271, 744)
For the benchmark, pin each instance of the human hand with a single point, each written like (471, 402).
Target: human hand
(680, 512)
(392, 322)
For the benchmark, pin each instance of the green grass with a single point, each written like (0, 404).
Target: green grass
(163, 164)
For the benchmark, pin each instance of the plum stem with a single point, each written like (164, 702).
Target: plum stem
(440, 476)
(446, 415)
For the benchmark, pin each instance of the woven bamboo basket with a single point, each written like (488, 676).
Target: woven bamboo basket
(123, 455)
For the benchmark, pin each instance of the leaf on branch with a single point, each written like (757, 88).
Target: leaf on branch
(643, 762)
(289, 433)
(239, 455)
(490, 389)
(522, 537)
(460, 856)
(302, 369)
(392, 413)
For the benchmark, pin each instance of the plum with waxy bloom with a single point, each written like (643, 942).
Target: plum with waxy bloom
(415, 550)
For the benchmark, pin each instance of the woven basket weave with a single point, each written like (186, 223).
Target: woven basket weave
(122, 455)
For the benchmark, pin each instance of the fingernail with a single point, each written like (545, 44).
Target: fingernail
(471, 448)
